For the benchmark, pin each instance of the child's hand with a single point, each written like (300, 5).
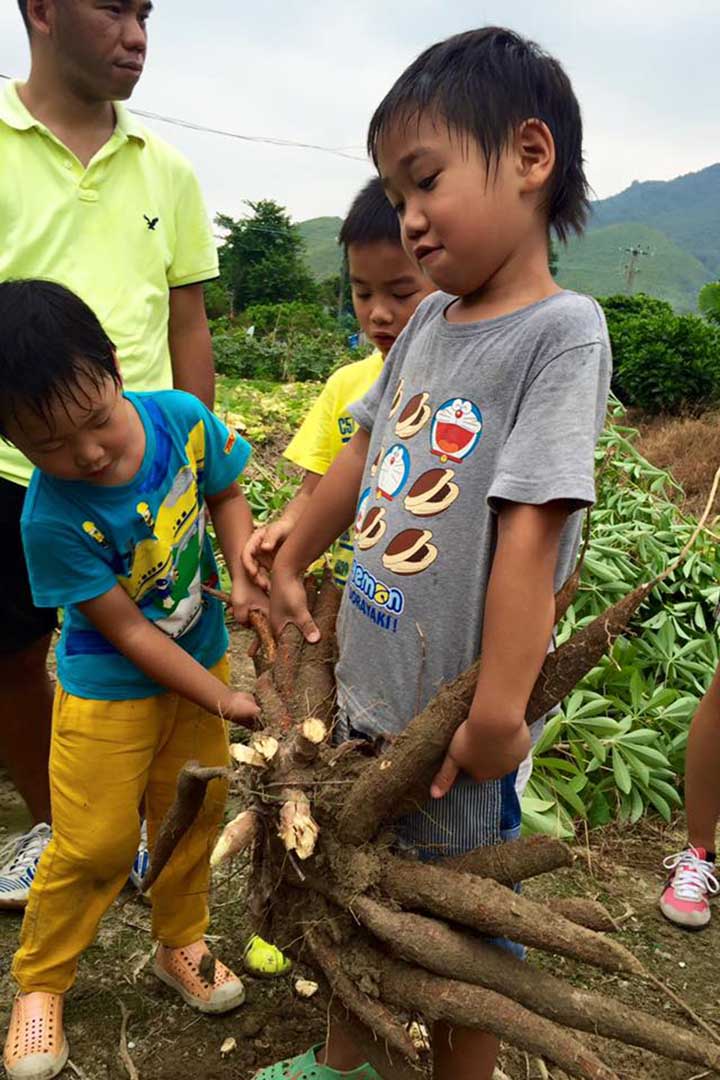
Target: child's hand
(262, 547)
(247, 597)
(239, 707)
(485, 751)
(288, 604)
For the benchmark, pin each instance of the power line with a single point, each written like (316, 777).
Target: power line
(264, 139)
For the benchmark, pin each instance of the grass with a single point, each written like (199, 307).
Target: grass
(688, 447)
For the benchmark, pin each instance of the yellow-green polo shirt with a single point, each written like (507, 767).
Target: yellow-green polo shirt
(120, 233)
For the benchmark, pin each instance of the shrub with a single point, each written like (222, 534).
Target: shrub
(288, 319)
(663, 362)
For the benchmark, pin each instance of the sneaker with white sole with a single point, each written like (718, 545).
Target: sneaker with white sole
(19, 865)
(141, 865)
(689, 887)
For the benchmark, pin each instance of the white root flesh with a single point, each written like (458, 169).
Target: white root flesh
(298, 829)
(245, 755)
(238, 835)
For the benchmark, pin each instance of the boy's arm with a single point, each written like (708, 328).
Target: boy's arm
(261, 549)
(329, 513)
(518, 624)
(232, 519)
(119, 620)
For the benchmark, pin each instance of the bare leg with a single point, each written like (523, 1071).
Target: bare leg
(26, 697)
(462, 1054)
(340, 1051)
(702, 770)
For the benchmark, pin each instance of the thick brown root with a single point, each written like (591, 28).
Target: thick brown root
(400, 780)
(289, 648)
(315, 681)
(497, 911)
(463, 1005)
(518, 860)
(276, 715)
(564, 668)
(191, 787)
(368, 1010)
(435, 946)
(588, 913)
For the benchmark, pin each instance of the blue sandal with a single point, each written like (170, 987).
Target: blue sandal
(306, 1067)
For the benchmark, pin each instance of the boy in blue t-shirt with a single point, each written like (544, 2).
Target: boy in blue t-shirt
(115, 533)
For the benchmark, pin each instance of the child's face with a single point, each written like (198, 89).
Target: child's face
(387, 286)
(460, 223)
(92, 435)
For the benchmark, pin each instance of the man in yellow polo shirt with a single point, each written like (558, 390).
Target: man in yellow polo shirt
(92, 200)
(387, 286)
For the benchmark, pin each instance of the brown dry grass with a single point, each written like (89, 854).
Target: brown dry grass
(688, 447)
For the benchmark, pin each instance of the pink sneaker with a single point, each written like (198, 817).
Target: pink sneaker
(36, 1047)
(182, 970)
(691, 883)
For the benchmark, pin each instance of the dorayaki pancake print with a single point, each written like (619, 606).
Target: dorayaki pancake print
(414, 417)
(432, 493)
(393, 472)
(376, 463)
(410, 552)
(397, 398)
(371, 528)
(456, 430)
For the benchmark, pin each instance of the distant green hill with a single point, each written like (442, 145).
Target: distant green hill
(677, 220)
(596, 264)
(322, 253)
(686, 209)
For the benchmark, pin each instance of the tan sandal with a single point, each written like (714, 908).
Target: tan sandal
(201, 980)
(36, 1047)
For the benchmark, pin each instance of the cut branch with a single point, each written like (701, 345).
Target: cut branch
(191, 787)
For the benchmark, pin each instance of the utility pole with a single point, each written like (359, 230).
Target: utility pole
(632, 266)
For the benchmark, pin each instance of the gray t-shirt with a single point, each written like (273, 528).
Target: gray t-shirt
(462, 417)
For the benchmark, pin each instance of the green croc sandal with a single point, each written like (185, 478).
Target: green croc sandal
(262, 958)
(306, 1067)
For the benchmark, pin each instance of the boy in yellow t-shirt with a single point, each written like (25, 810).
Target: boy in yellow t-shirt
(387, 286)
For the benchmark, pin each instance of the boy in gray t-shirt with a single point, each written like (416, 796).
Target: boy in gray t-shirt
(475, 449)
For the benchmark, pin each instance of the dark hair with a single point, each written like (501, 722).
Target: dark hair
(485, 83)
(371, 219)
(48, 339)
(22, 4)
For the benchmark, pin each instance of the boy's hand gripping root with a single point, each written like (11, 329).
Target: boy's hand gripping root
(288, 604)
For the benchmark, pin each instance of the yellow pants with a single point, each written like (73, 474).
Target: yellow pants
(105, 756)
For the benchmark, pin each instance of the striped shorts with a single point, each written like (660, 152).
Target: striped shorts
(470, 816)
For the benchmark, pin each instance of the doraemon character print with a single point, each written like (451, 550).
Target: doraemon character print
(393, 472)
(456, 430)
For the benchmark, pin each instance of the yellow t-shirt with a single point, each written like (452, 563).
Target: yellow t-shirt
(120, 233)
(326, 429)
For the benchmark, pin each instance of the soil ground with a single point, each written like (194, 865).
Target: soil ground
(167, 1041)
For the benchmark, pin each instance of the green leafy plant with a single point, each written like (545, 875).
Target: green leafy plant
(616, 749)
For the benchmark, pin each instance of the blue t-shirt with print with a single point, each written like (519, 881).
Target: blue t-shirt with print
(149, 536)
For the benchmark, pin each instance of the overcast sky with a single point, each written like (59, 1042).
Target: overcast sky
(645, 71)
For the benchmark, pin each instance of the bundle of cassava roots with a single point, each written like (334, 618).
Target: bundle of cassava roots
(389, 937)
